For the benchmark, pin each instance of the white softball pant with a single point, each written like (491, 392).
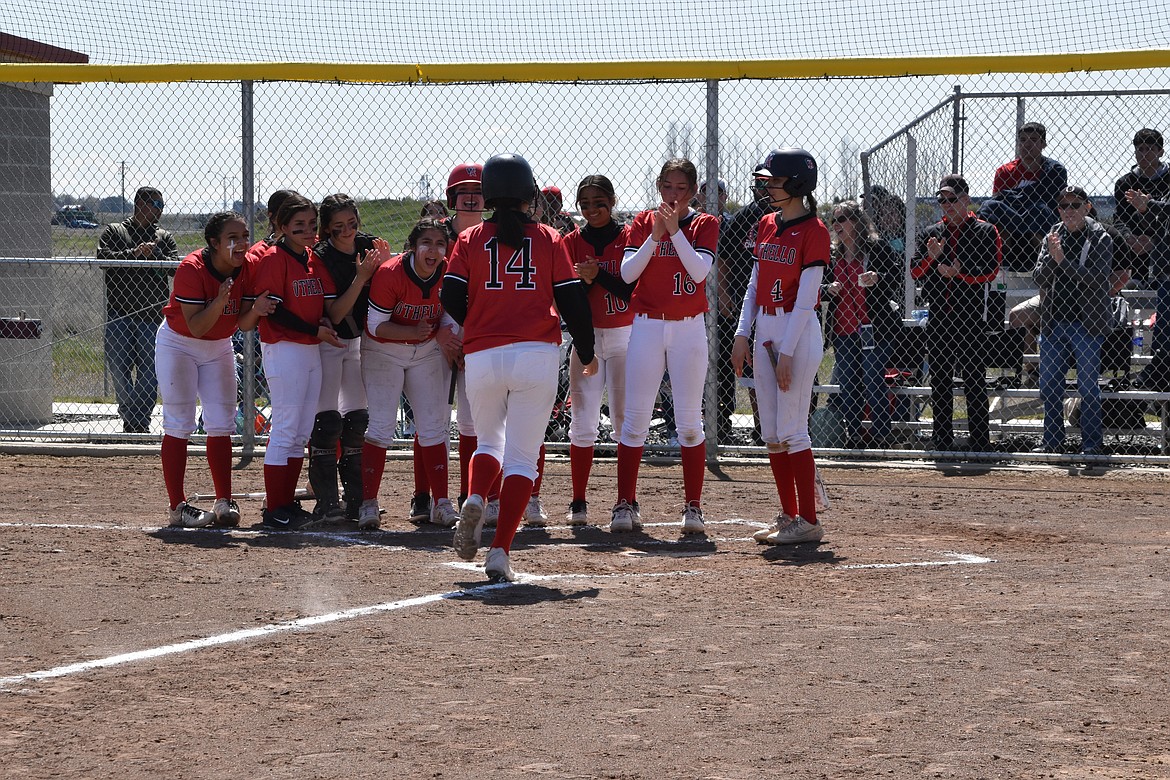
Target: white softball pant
(610, 345)
(784, 416)
(512, 389)
(388, 371)
(294, 385)
(464, 422)
(190, 368)
(342, 389)
(678, 346)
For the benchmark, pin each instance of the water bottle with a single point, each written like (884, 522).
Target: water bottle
(1139, 335)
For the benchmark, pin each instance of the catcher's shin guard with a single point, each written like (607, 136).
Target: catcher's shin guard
(349, 468)
(323, 460)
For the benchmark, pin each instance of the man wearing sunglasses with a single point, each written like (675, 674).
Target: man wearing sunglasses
(956, 261)
(1076, 260)
(136, 291)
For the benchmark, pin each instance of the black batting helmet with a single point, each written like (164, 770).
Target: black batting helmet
(798, 165)
(508, 177)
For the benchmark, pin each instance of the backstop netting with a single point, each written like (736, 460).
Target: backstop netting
(219, 104)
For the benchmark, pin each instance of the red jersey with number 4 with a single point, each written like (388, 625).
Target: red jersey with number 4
(509, 290)
(665, 288)
(783, 251)
(397, 292)
(197, 282)
(609, 311)
(297, 284)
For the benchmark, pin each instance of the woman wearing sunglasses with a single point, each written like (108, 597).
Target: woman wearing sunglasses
(863, 285)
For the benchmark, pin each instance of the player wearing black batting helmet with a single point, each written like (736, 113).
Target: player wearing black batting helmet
(797, 165)
(508, 177)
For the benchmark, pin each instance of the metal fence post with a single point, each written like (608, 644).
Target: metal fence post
(956, 124)
(247, 177)
(714, 359)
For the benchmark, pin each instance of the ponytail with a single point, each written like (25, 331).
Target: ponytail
(510, 223)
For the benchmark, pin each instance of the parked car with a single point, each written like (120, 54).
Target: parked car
(74, 217)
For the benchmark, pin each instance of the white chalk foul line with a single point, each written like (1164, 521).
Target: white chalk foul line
(522, 578)
(956, 559)
(240, 636)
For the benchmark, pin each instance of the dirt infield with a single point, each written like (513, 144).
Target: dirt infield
(1000, 624)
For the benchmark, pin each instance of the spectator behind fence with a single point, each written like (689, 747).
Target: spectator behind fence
(1023, 197)
(434, 209)
(1143, 234)
(956, 259)
(889, 216)
(550, 210)
(863, 287)
(134, 301)
(1157, 374)
(1144, 224)
(1073, 275)
(1026, 314)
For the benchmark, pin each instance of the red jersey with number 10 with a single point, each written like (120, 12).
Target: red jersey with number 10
(609, 311)
(665, 288)
(509, 290)
(783, 251)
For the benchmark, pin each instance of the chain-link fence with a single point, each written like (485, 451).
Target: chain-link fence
(885, 142)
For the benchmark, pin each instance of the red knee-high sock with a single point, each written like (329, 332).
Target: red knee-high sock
(539, 472)
(629, 461)
(174, 467)
(219, 461)
(804, 469)
(580, 464)
(485, 470)
(435, 460)
(274, 481)
(373, 464)
(694, 463)
(493, 493)
(467, 445)
(421, 482)
(514, 495)
(291, 478)
(785, 483)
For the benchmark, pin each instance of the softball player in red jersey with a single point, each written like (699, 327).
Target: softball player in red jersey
(289, 339)
(350, 259)
(275, 201)
(792, 252)
(403, 351)
(669, 253)
(503, 281)
(195, 361)
(596, 251)
(465, 199)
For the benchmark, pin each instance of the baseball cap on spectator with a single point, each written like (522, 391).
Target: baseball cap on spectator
(1149, 136)
(1078, 191)
(954, 184)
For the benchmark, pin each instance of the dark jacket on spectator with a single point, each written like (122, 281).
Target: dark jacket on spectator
(1081, 280)
(138, 293)
(964, 299)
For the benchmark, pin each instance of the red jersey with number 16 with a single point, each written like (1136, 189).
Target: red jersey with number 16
(665, 288)
(509, 290)
(609, 311)
(783, 251)
(297, 284)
